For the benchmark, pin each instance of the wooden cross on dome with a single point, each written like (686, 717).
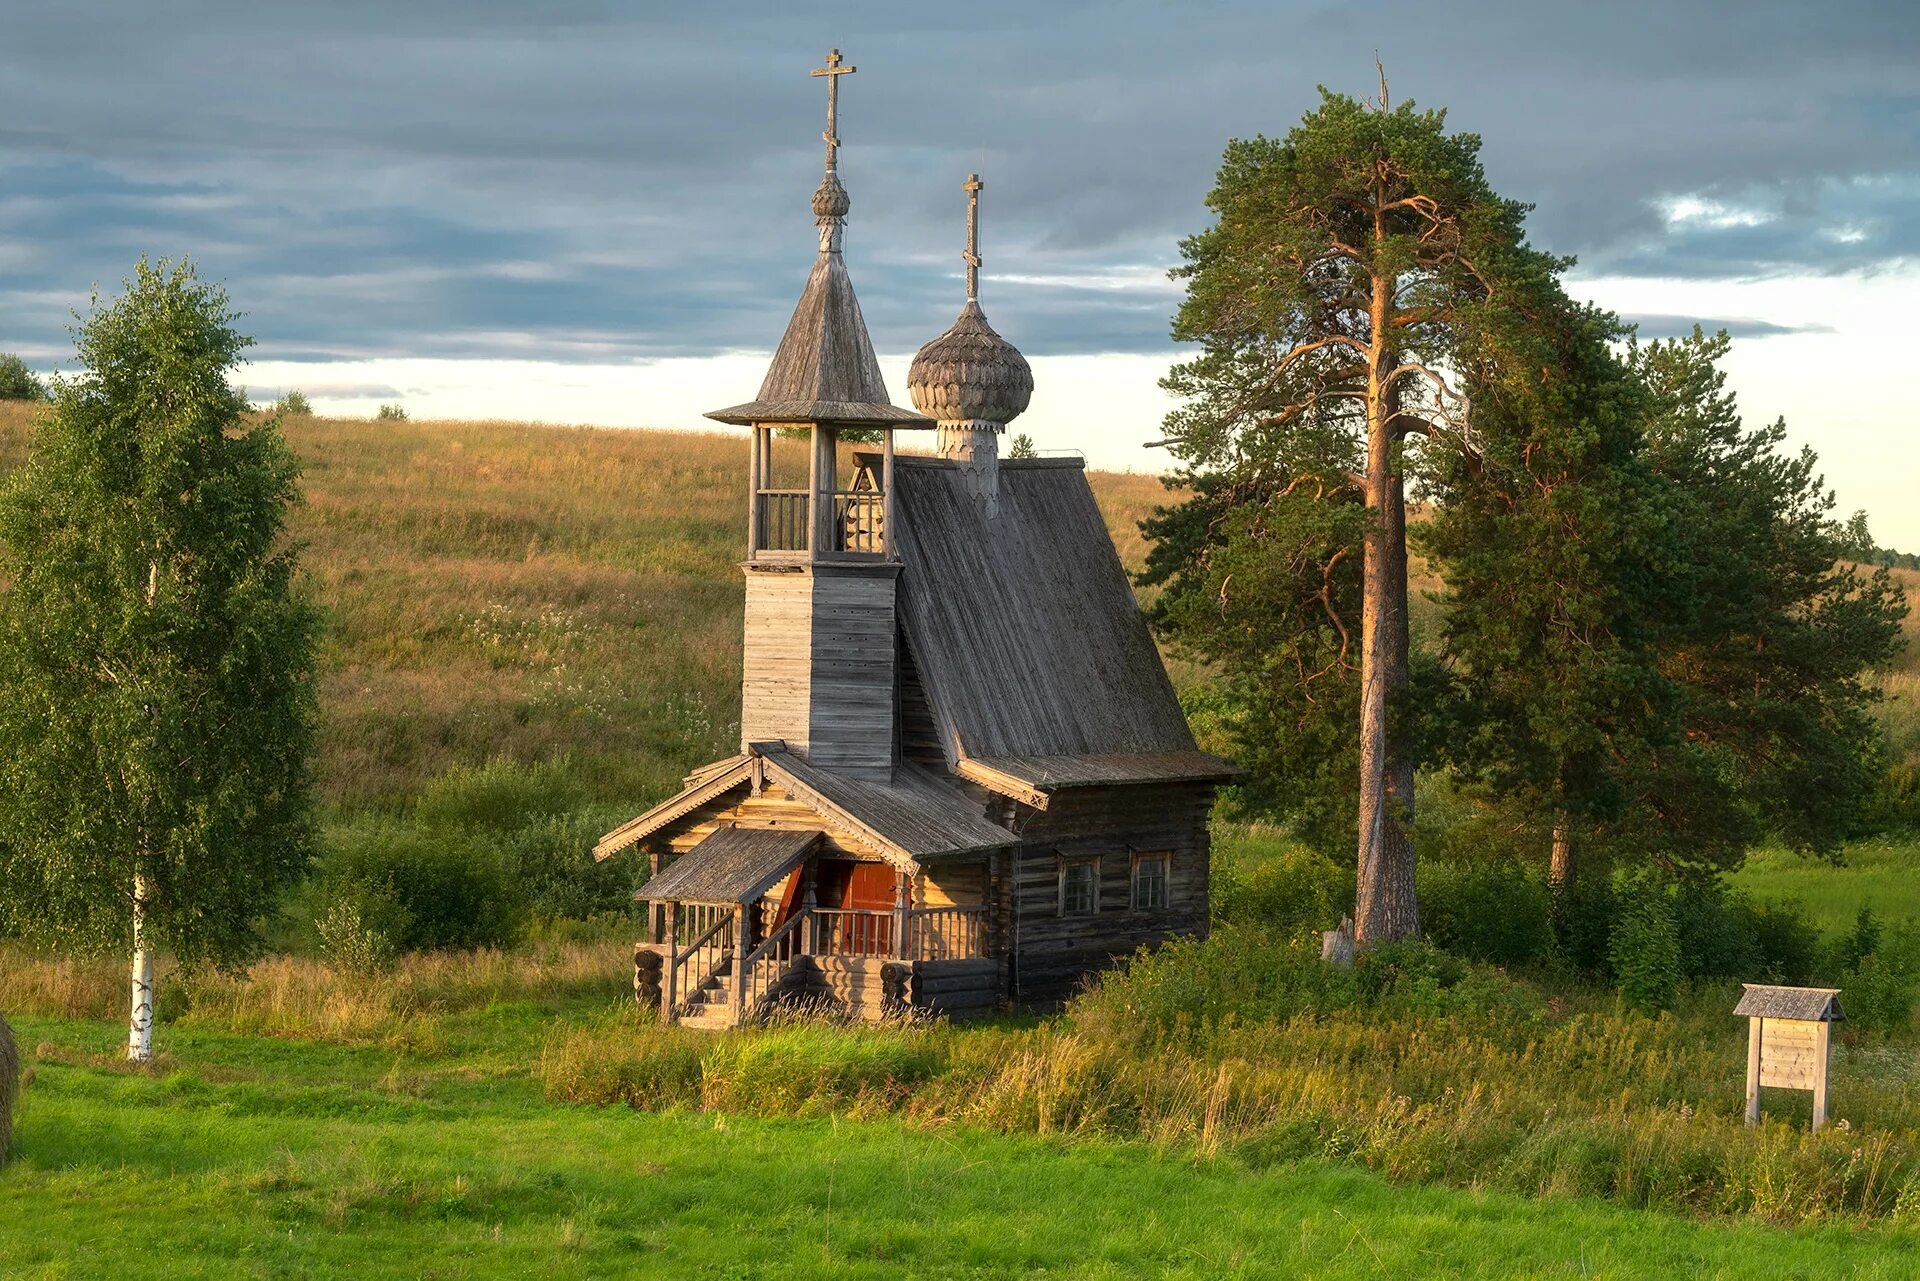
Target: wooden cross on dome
(973, 186)
(833, 71)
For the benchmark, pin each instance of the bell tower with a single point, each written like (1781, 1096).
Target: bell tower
(821, 567)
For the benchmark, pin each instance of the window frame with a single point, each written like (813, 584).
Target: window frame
(1164, 896)
(1069, 865)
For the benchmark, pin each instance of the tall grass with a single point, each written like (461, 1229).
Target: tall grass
(1582, 1102)
(291, 996)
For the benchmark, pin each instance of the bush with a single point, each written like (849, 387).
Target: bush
(1645, 951)
(1287, 891)
(391, 413)
(535, 819)
(358, 926)
(17, 382)
(436, 893)
(294, 404)
(1186, 989)
(1489, 912)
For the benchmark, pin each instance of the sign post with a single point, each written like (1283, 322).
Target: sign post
(1789, 1042)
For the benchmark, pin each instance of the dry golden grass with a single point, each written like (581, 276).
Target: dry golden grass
(297, 996)
(513, 590)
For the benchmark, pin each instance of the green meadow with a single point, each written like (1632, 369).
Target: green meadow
(238, 1156)
(544, 623)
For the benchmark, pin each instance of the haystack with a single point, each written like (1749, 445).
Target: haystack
(9, 1085)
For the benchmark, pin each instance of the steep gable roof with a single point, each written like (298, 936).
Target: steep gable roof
(1026, 633)
(910, 818)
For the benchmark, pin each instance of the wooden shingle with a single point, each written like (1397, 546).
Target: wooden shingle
(733, 865)
(1813, 1004)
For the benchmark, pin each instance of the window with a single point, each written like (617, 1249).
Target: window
(1080, 887)
(1149, 882)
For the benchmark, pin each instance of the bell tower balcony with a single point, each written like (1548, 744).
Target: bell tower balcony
(843, 513)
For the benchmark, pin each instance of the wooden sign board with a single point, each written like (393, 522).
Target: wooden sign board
(1789, 1042)
(1793, 1053)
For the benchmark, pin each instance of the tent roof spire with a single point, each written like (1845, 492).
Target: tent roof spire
(825, 370)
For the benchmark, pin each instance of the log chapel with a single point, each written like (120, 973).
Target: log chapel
(964, 782)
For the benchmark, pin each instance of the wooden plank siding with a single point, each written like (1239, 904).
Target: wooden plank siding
(777, 674)
(1053, 955)
(851, 716)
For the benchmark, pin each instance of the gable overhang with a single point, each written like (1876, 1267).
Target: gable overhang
(1035, 780)
(703, 785)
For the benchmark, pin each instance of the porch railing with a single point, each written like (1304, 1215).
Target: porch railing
(701, 946)
(767, 964)
(946, 933)
(786, 520)
(853, 931)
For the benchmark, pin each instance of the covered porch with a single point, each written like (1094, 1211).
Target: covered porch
(751, 918)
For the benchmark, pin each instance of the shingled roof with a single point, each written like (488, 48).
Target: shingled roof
(910, 818)
(824, 370)
(1815, 1004)
(1036, 658)
(732, 865)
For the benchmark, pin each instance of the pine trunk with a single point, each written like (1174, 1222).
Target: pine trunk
(1386, 906)
(140, 1008)
(1565, 864)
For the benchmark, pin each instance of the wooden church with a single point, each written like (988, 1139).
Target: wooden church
(964, 781)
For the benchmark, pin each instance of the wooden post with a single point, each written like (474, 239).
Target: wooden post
(756, 481)
(739, 962)
(809, 923)
(1823, 1043)
(669, 990)
(655, 916)
(821, 479)
(886, 494)
(902, 904)
(1753, 1071)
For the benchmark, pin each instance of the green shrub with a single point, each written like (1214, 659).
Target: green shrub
(1786, 943)
(448, 892)
(536, 820)
(1285, 891)
(17, 382)
(359, 926)
(391, 413)
(1491, 912)
(1187, 989)
(294, 404)
(1645, 951)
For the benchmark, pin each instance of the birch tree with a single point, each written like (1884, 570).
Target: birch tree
(1355, 270)
(156, 654)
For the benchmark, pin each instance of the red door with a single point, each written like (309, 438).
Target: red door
(865, 895)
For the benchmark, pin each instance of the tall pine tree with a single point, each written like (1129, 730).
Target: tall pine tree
(1350, 266)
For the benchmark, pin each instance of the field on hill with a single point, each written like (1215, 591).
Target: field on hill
(508, 591)
(532, 623)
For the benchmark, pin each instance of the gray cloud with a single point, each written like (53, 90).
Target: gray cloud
(582, 181)
(1654, 326)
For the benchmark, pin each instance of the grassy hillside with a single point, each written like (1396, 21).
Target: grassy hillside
(503, 590)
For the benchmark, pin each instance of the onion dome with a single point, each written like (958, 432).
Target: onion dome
(970, 374)
(830, 200)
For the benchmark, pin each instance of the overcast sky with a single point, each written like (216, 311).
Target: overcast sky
(597, 212)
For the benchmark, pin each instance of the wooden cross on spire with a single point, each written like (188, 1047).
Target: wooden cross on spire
(833, 71)
(973, 186)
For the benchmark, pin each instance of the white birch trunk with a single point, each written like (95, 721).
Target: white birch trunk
(140, 1010)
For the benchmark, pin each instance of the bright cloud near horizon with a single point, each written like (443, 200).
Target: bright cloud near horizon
(574, 213)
